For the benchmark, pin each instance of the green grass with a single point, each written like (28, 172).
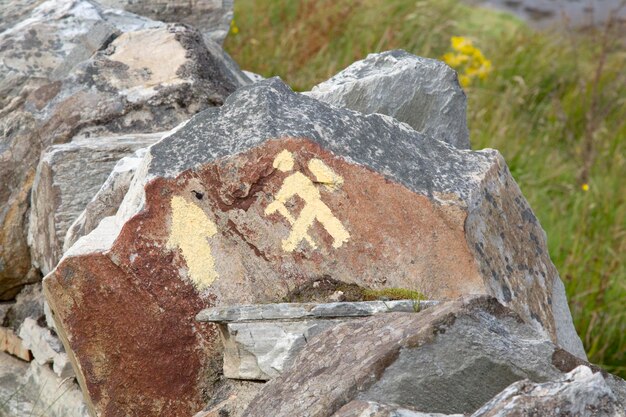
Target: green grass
(554, 106)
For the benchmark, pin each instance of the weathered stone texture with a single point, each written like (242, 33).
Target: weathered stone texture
(108, 198)
(260, 341)
(34, 390)
(45, 347)
(579, 393)
(58, 198)
(424, 93)
(211, 17)
(451, 358)
(28, 303)
(270, 191)
(360, 408)
(49, 96)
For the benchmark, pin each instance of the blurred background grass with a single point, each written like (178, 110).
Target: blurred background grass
(554, 106)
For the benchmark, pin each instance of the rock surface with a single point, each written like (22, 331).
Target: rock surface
(51, 95)
(34, 390)
(28, 303)
(108, 198)
(424, 93)
(262, 340)
(359, 408)
(45, 347)
(211, 17)
(58, 198)
(451, 358)
(580, 393)
(209, 220)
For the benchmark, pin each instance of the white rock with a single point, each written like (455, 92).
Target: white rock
(45, 347)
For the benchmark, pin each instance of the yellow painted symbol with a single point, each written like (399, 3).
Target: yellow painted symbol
(191, 229)
(298, 184)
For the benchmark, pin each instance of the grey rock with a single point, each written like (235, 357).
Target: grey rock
(231, 67)
(359, 408)
(57, 197)
(254, 77)
(107, 200)
(211, 17)
(16, 11)
(28, 303)
(291, 311)
(451, 358)
(48, 315)
(230, 398)
(579, 393)
(5, 306)
(45, 347)
(35, 390)
(39, 43)
(123, 88)
(262, 340)
(262, 350)
(424, 93)
(39, 40)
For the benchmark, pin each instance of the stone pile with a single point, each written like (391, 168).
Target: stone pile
(151, 194)
(82, 85)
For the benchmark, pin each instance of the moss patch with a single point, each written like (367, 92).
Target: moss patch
(321, 290)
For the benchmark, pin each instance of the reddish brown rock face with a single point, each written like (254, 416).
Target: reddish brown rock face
(129, 313)
(247, 202)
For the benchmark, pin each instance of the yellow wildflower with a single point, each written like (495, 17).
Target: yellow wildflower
(464, 80)
(233, 27)
(585, 187)
(462, 45)
(468, 60)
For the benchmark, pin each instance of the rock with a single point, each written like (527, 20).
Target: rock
(16, 11)
(123, 88)
(208, 221)
(211, 17)
(254, 77)
(28, 303)
(57, 197)
(35, 390)
(580, 393)
(260, 341)
(230, 398)
(39, 43)
(424, 93)
(451, 358)
(30, 51)
(295, 311)
(45, 347)
(107, 200)
(13, 345)
(48, 315)
(359, 408)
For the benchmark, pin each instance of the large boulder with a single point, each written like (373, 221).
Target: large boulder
(53, 95)
(424, 93)
(57, 198)
(450, 358)
(273, 190)
(211, 17)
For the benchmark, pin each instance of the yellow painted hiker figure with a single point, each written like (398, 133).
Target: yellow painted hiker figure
(298, 184)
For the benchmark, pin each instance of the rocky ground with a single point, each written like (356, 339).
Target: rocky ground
(150, 188)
